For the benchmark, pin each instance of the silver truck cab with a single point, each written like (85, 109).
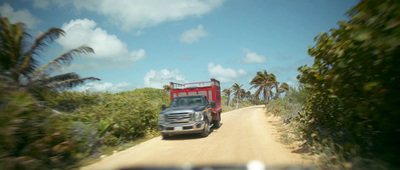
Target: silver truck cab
(185, 115)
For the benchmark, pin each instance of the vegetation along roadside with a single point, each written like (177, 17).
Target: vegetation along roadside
(346, 107)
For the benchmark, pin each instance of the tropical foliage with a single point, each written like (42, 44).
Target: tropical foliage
(79, 125)
(32, 136)
(167, 88)
(291, 105)
(354, 83)
(237, 89)
(20, 63)
(42, 126)
(122, 116)
(227, 93)
(283, 88)
(264, 83)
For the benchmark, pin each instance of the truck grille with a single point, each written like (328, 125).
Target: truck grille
(177, 118)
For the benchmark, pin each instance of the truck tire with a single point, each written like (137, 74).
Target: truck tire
(206, 129)
(165, 136)
(217, 123)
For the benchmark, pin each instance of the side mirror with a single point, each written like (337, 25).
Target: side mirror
(163, 107)
(213, 104)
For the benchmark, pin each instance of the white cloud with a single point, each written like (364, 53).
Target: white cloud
(192, 35)
(252, 57)
(139, 14)
(108, 48)
(157, 79)
(22, 15)
(225, 75)
(105, 87)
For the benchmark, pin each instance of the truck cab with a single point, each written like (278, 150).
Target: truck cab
(194, 108)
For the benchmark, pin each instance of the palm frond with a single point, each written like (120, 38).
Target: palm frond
(227, 92)
(63, 81)
(258, 91)
(73, 82)
(11, 43)
(258, 78)
(19, 64)
(43, 80)
(43, 40)
(64, 59)
(29, 63)
(70, 83)
(284, 88)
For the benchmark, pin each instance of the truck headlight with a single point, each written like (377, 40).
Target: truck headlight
(161, 118)
(198, 116)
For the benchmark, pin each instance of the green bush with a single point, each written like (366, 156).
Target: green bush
(33, 137)
(126, 115)
(110, 140)
(70, 126)
(354, 85)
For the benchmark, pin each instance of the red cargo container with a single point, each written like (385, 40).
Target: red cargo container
(210, 89)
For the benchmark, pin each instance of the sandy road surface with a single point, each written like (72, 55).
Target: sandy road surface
(244, 136)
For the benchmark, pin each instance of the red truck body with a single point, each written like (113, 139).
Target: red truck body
(211, 89)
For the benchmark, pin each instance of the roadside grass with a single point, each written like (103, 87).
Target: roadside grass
(290, 134)
(287, 134)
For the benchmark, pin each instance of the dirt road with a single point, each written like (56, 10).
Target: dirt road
(244, 136)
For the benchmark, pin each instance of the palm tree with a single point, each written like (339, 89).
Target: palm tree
(264, 82)
(227, 92)
(19, 63)
(273, 84)
(283, 88)
(237, 88)
(254, 99)
(242, 94)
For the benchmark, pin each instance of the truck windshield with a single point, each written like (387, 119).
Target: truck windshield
(187, 101)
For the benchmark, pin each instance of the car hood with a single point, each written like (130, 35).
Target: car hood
(182, 109)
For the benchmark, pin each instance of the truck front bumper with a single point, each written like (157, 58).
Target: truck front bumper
(185, 128)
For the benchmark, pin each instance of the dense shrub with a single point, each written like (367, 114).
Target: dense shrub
(35, 135)
(123, 116)
(354, 85)
(44, 128)
(32, 137)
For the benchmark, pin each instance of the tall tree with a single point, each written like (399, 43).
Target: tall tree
(19, 63)
(243, 94)
(263, 82)
(227, 92)
(237, 88)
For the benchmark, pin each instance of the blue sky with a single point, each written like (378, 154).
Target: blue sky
(149, 43)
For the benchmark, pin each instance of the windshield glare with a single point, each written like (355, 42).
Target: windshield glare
(187, 101)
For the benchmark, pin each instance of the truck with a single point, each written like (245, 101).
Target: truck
(194, 108)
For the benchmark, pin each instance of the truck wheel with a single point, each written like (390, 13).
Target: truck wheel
(217, 123)
(206, 129)
(164, 135)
